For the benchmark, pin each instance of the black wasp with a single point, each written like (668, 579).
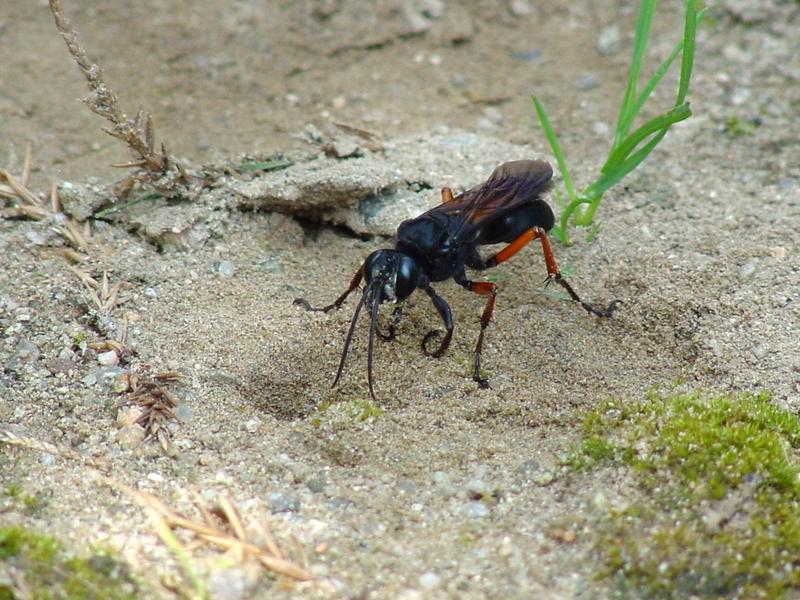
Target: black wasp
(438, 244)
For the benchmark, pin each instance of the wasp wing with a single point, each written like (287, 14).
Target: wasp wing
(509, 185)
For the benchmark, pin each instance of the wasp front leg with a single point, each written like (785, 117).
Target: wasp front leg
(354, 283)
(447, 320)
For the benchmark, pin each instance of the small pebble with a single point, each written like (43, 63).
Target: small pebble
(459, 80)
(429, 580)
(759, 351)
(36, 238)
(208, 459)
(225, 268)
(474, 510)
(280, 502)
(433, 9)
(493, 114)
(341, 502)
(747, 270)
(600, 501)
(108, 359)
(406, 486)
(520, 8)
(588, 81)
(343, 147)
(131, 436)
(778, 252)
(601, 129)
(25, 353)
(150, 292)
(477, 488)
(128, 415)
(566, 536)
(527, 55)
(316, 485)
(252, 425)
(184, 412)
(272, 264)
(609, 40)
(229, 584)
(443, 484)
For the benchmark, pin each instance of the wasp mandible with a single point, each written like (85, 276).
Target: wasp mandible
(439, 244)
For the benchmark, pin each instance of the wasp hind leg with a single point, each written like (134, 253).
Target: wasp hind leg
(484, 288)
(553, 273)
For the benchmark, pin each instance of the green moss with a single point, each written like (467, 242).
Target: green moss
(29, 503)
(354, 411)
(718, 514)
(48, 573)
(737, 127)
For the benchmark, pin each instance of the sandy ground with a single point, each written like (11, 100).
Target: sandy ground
(701, 244)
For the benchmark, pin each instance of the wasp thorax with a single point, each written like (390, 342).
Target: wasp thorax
(391, 275)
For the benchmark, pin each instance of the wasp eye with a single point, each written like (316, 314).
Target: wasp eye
(391, 272)
(407, 274)
(376, 267)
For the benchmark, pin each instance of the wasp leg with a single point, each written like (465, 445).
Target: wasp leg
(447, 321)
(339, 301)
(553, 273)
(397, 313)
(484, 288)
(447, 195)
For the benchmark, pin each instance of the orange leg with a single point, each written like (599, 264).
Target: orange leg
(340, 300)
(552, 269)
(447, 195)
(484, 288)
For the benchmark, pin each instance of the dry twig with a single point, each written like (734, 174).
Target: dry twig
(164, 519)
(212, 533)
(30, 205)
(12, 439)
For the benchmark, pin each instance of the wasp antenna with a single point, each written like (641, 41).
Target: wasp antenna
(373, 326)
(349, 337)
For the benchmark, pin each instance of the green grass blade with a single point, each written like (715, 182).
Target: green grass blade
(679, 113)
(642, 98)
(689, 33)
(596, 190)
(564, 219)
(664, 67)
(643, 23)
(117, 207)
(555, 147)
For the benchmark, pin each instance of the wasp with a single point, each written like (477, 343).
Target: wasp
(440, 243)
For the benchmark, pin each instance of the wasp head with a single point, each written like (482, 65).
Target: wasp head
(390, 276)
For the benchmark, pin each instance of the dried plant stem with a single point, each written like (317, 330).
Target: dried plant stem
(165, 519)
(138, 133)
